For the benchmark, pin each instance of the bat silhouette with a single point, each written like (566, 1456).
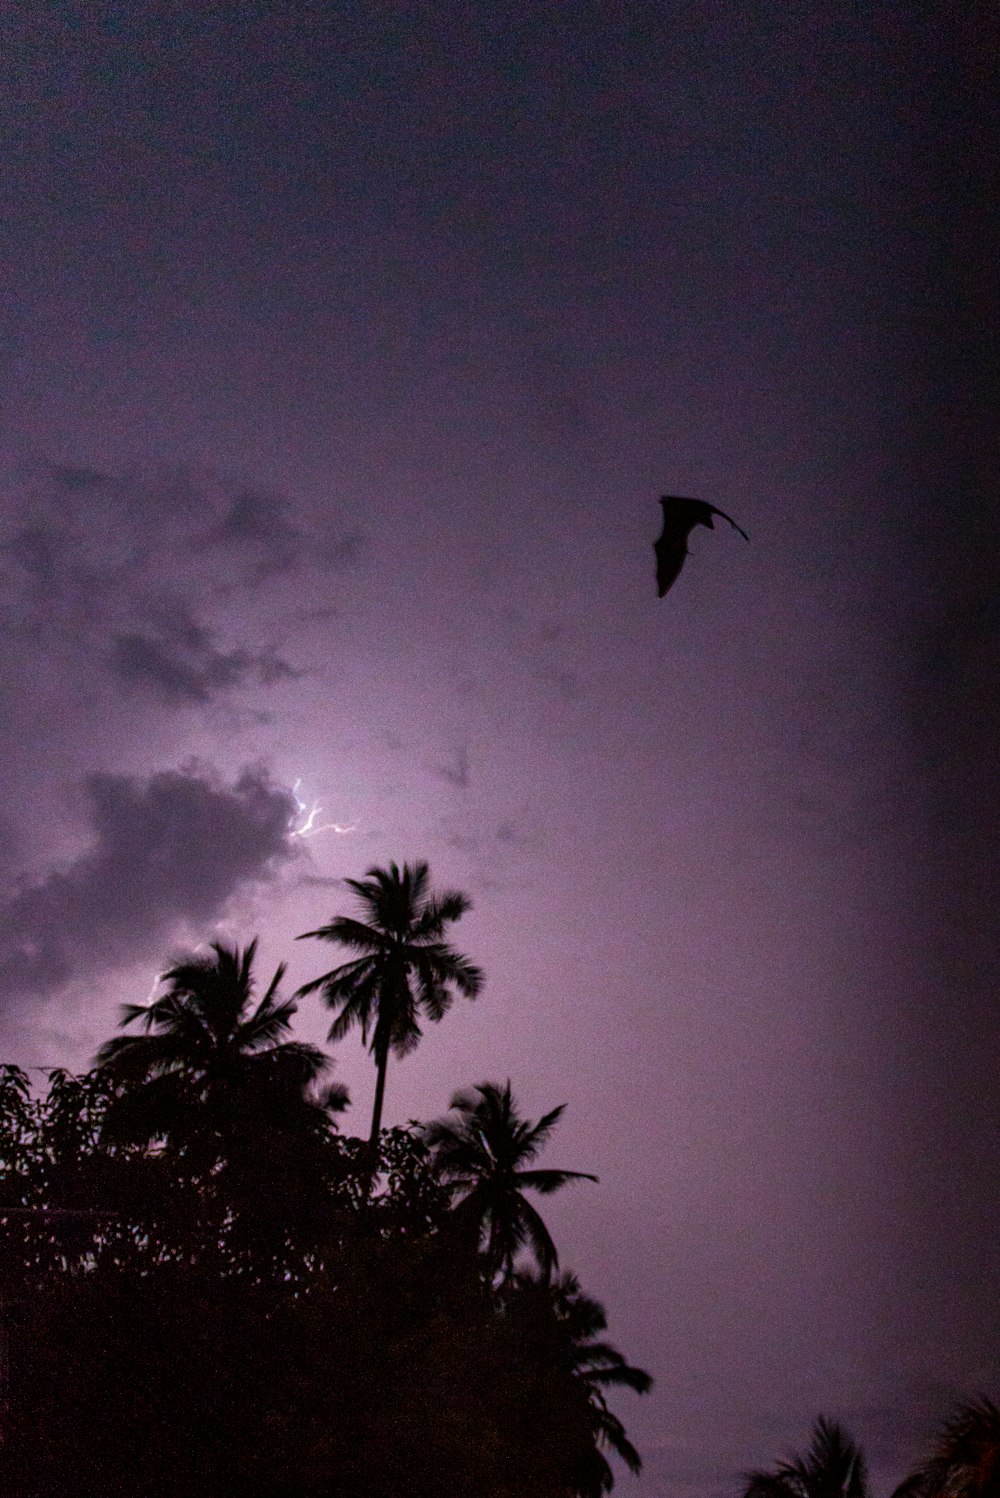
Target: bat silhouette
(680, 516)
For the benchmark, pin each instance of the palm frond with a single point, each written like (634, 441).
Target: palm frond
(270, 1020)
(130, 1058)
(335, 1097)
(295, 1063)
(611, 1434)
(340, 982)
(360, 1007)
(605, 1366)
(132, 1012)
(439, 912)
(833, 1467)
(350, 933)
(965, 1459)
(547, 1181)
(540, 1238)
(539, 1132)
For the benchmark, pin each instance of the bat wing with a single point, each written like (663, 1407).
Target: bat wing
(732, 522)
(671, 549)
(680, 516)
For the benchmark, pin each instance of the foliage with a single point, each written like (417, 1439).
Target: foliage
(209, 1053)
(570, 1368)
(833, 1467)
(405, 968)
(965, 1460)
(210, 1292)
(484, 1155)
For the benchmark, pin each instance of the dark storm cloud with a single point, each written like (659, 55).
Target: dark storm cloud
(35, 551)
(178, 661)
(174, 848)
(261, 525)
(264, 530)
(130, 573)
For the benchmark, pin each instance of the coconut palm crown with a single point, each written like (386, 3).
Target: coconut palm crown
(486, 1154)
(965, 1461)
(833, 1467)
(211, 1056)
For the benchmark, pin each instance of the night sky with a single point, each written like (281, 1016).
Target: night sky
(345, 350)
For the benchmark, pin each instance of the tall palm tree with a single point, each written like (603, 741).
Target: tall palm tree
(965, 1460)
(833, 1467)
(485, 1154)
(211, 1059)
(404, 969)
(564, 1328)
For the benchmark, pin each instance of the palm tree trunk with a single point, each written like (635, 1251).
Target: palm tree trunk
(382, 1064)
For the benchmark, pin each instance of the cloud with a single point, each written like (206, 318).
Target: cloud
(178, 661)
(459, 771)
(262, 525)
(141, 573)
(263, 530)
(169, 850)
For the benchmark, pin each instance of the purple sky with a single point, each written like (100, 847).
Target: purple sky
(345, 350)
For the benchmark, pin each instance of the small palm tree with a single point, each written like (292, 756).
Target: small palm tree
(211, 1060)
(405, 968)
(965, 1461)
(485, 1155)
(833, 1467)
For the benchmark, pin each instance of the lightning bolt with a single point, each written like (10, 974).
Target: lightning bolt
(309, 827)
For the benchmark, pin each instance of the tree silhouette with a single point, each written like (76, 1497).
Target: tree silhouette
(193, 1301)
(485, 1154)
(571, 1368)
(212, 1064)
(405, 968)
(833, 1467)
(17, 1132)
(965, 1460)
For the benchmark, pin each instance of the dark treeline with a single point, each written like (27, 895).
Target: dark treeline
(209, 1289)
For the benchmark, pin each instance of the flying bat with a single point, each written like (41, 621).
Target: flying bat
(680, 516)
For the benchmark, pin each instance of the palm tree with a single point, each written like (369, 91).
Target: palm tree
(563, 1327)
(211, 1060)
(965, 1461)
(484, 1154)
(833, 1467)
(405, 969)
